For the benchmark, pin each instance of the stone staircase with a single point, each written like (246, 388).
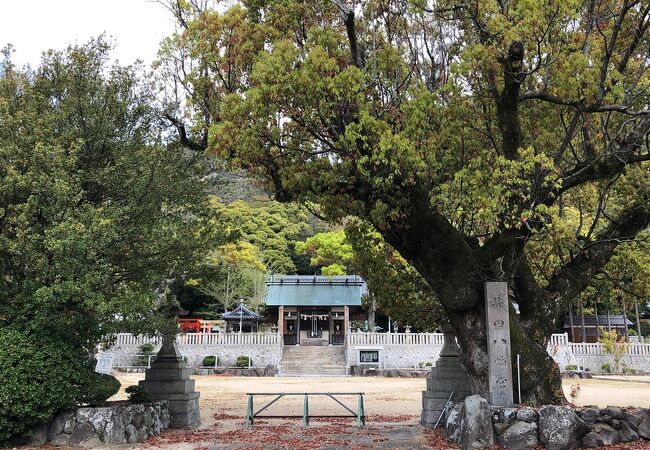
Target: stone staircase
(313, 361)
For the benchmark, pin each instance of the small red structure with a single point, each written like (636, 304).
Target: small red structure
(190, 325)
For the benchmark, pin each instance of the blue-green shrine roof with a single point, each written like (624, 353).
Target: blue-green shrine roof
(309, 290)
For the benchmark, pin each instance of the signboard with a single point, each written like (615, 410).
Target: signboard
(104, 363)
(369, 356)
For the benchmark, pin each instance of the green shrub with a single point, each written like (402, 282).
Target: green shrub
(628, 370)
(138, 394)
(41, 378)
(243, 361)
(210, 361)
(571, 367)
(145, 350)
(99, 388)
(606, 367)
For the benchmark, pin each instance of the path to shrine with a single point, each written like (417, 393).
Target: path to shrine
(392, 408)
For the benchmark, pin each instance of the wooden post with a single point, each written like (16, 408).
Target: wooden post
(331, 328)
(281, 323)
(346, 321)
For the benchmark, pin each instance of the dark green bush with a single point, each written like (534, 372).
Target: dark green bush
(138, 394)
(570, 367)
(606, 367)
(243, 361)
(99, 388)
(209, 361)
(40, 378)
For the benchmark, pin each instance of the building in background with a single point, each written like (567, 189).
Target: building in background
(314, 309)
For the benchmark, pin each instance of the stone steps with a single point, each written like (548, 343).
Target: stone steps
(313, 361)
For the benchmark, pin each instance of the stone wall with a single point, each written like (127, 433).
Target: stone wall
(396, 356)
(262, 355)
(473, 424)
(123, 423)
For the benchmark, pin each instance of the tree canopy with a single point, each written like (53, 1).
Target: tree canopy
(494, 140)
(95, 212)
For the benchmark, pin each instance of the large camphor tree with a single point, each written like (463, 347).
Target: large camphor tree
(485, 140)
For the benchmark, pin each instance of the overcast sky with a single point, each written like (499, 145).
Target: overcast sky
(32, 26)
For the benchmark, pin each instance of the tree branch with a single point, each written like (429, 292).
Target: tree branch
(575, 276)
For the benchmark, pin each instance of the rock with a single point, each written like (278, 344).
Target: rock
(157, 427)
(142, 434)
(601, 435)
(69, 414)
(39, 436)
(519, 436)
(148, 417)
(84, 436)
(614, 423)
(138, 420)
(500, 427)
(69, 425)
(560, 428)
(62, 440)
(56, 427)
(614, 412)
(131, 434)
(476, 430)
(505, 415)
(452, 423)
(644, 424)
(99, 419)
(589, 415)
(626, 433)
(633, 417)
(115, 431)
(83, 414)
(527, 415)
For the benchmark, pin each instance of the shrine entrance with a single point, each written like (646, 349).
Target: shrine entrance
(314, 324)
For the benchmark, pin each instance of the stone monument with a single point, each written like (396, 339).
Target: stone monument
(447, 376)
(169, 379)
(498, 340)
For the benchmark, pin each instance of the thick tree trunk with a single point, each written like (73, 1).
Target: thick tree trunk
(541, 382)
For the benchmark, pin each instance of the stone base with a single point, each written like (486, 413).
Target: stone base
(446, 376)
(169, 379)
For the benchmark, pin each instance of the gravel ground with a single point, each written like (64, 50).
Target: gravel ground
(392, 407)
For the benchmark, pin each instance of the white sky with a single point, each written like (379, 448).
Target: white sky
(32, 26)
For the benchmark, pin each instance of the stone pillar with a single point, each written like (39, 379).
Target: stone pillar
(346, 321)
(169, 379)
(281, 322)
(447, 376)
(498, 343)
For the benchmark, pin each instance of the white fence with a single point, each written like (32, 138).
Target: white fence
(592, 355)
(264, 349)
(429, 339)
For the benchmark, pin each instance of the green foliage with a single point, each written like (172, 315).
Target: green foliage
(209, 361)
(482, 140)
(41, 377)
(606, 367)
(138, 394)
(615, 346)
(571, 367)
(95, 210)
(243, 361)
(258, 238)
(100, 388)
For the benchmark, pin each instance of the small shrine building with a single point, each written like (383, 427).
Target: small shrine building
(314, 309)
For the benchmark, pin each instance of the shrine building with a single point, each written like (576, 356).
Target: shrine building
(315, 309)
